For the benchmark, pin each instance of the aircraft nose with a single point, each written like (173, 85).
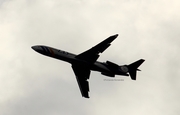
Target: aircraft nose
(33, 47)
(37, 49)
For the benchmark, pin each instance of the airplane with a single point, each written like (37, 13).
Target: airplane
(83, 63)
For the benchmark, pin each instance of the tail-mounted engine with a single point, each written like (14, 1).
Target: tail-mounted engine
(123, 68)
(113, 67)
(116, 68)
(126, 70)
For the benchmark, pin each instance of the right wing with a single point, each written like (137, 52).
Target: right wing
(92, 54)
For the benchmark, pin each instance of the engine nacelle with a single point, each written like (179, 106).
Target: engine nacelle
(108, 74)
(123, 69)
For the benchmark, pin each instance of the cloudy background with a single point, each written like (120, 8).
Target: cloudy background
(32, 84)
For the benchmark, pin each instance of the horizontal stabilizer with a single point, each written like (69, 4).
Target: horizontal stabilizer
(133, 68)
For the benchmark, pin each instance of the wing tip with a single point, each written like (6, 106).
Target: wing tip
(111, 38)
(86, 96)
(114, 36)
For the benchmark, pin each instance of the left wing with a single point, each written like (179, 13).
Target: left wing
(82, 70)
(92, 54)
(82, 74)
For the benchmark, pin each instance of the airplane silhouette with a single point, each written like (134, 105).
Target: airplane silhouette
(83, 63)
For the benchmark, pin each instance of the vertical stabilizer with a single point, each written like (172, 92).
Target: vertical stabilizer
(133, 68)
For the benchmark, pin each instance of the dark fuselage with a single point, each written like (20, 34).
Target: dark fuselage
(71, 58)
(68, 57)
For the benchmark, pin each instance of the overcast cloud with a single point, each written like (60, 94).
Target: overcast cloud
(32, 84)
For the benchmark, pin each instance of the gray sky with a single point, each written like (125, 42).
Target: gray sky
(32, 84)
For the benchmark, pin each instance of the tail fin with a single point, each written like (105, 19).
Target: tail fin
(133, 68)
